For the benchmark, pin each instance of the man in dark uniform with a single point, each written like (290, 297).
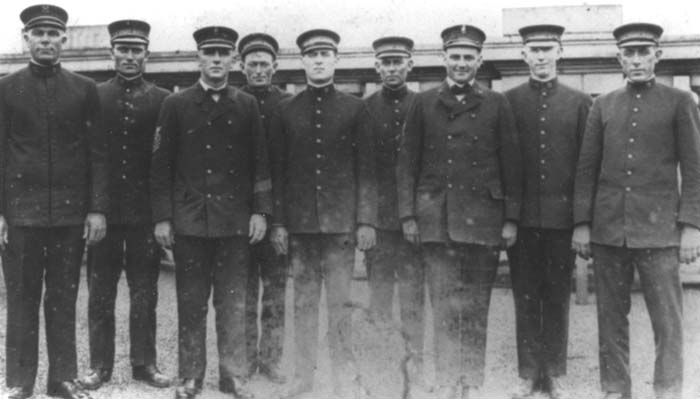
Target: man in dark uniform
(459, 186)
(211, 190)
(325, 190)
(394, 259)
(53, 174)
(258, 53)
(130, 108)
(550, 118)
(630, 211)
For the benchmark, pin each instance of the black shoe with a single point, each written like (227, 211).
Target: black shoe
(67, 390)
(95, 378)
(20, 392)
(273, 374)
(150, 375)
(187, 389)
(235, 387)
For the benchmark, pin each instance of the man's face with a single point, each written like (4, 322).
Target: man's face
(638, 62)
(462, 63)
(542, 59)
(319, 65)
(45, 43)
(129, 58)
(393, 70)
(258, 68)
(215, 63)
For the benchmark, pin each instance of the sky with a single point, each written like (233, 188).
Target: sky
(358, 22)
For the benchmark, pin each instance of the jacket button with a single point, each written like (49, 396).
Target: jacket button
(318, 171)
(628, 189)
(542, 146)
(230, 122)
(123, 161)
(631, 139)
(449, 137)
(124, 147)
(635, 109)
(318, 125)
(318, 140)
(634, 124)
(473, 188)
(209, 196)
(544, 106)
(542, 132)
(318, 156)
(208, 123)
(474, 163)
(543, 119)
(208, 146)
(473, 116)
(125, 132)
(123, 177)
(318, 187)
(230, 172)
(629, 156)
(629, 173)
(449, 161)
(318, 111)
(208, 171)
(449, 185)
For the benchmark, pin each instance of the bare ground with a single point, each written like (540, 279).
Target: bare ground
(582, 377)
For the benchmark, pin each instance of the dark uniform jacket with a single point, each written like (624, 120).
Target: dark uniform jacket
(459, 169)
(627, 184)
(268, 99)
(209, 170)
(53, 149)
(388, 109)
(130, 109)
(323, 163)
(551, 119)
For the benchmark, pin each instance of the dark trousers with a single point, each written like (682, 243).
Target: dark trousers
(395, 260)
(34, 257)
(264, 346)
(134, 250)
(460, 278)
(315, 259)
(200, 264)
(541, 263)
(659, 275)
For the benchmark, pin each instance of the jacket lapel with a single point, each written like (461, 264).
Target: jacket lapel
(222, 106)
(455, 107)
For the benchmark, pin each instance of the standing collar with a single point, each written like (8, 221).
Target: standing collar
(129, 81)
(390, 93)
(647, 84)
(322, 90)
(44, 70)
(258, 92)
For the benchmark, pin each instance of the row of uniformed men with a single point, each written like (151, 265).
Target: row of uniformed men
(474, 171)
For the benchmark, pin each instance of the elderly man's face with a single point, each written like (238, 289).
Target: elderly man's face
(638, 62)
(393, 70)
(45, 43)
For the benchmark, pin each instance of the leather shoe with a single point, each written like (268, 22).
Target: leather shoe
(524, 389)
(67, 390)
(150, 375)
(187, 389)
(234, 386)
(298, 389)
(95, 378)
(556, 388)
(273, 374)
(20, 392)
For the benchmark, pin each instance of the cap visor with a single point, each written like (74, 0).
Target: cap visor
(394, 54)
(129, 40)
(637, 43)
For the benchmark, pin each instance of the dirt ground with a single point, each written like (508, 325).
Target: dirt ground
(582, 377)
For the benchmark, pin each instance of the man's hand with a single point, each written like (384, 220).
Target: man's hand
(3, 233)
(690, 244)
(257, 228)
(95, 228)
(509, 233)
(410, 231)
(366, 237)
(581, 241)
(164, 234)
(279, 239)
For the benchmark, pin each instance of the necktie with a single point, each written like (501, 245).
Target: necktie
(460, 90)
(220, 92)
